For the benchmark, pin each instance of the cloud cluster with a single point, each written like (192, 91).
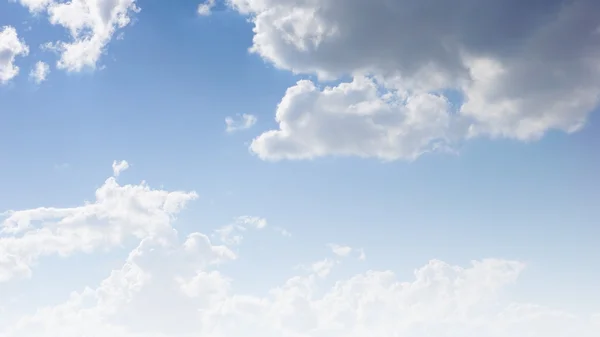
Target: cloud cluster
(172, 286)
(118, 213)
(426, 74)
(91, 24)
(11, 46)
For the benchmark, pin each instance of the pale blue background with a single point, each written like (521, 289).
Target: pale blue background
(161, 104)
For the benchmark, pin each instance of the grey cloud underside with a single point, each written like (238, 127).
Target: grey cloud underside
(522, 67)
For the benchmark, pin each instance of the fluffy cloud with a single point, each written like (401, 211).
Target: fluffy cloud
(40, 72)
(240, 122)
(520, 69)
(119, 212)
(119, 166)
(35, 6)
(355, 119)
(172, 286)
(10, 47)
(205, 8)
(91, 24)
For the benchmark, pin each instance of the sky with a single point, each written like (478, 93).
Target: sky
(287, 168)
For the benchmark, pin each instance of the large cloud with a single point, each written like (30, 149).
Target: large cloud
(170, 286)
(522, 68)
(119, 212)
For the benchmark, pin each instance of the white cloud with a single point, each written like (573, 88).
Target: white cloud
(10, 47)
(40, 72)
(91, 23)
(119, 212)
(119, 166)
(522, 70)
(36, 6)
(173, 286)
(341, 251)
(205, 9)
(354, 119)
(251, 221)
(323, 268)
(242, 122)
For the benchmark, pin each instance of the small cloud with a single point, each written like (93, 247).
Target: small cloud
(205, 9)
(119, 166)
(322, 268)
(40, 72)
(242, 122)
(341, 251)
(253, 221)
(232, 234)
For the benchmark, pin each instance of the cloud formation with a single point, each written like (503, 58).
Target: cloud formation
(119, 166)
(40, 72)
(239, 122)
(11, 46)
(172, 285)
(91, 24)
(427, 74)
(205, 8)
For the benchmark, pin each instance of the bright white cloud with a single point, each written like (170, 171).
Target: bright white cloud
(173, 286)
(119, 212)
(10, 47)
(355, 119)
(36, 6)
(40, 72)
(119, 166)
(521, 69)
(205, 9)
(240, 122)
(91, 23)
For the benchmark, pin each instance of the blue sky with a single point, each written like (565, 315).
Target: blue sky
(158, 98)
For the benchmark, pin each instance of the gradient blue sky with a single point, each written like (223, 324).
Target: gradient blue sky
(160, 103)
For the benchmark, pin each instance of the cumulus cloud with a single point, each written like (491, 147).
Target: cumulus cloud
(205, 9)
(240, 122)
(173, 285)
(119, 212)
(119, 166)
(10, 47)
(91, 24)
(355, 119)
(40, 72)
(426, 74)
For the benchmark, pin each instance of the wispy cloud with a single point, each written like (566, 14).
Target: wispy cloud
(239, 122)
